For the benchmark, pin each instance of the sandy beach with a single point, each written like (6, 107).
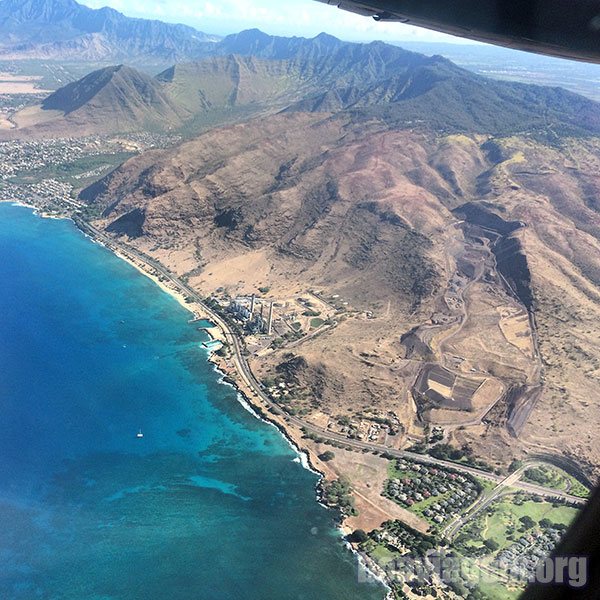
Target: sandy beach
(370, 516)
(308, 451)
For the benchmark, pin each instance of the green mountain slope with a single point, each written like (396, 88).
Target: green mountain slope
(114, 99)
(373, 81)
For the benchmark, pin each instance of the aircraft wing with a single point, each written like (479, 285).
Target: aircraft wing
(563, 28)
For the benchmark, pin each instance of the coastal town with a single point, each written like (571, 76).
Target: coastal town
(48, 172)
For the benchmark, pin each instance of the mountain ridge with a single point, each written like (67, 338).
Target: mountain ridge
(300, 201)
(60, 28)
(113, 99)
(400, 88)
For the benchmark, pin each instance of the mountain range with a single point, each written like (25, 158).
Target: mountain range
(65, 29)
(252, 73)
(394, 222)
(389, 179)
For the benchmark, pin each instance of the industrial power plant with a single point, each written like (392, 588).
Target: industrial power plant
(255, 320)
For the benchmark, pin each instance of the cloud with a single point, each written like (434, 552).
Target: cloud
(292, 17)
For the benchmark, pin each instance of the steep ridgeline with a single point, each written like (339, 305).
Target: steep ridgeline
(225, 82)
(118, 99)
(263, 186)
(65, 29)
(407, 88)
(374, 81)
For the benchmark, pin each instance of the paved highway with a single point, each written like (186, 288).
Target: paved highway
(252, 383)
(484, 500)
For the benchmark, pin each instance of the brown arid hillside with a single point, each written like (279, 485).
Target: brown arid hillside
(461, 272)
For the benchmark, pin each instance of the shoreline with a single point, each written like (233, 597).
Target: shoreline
(36, 210)
(262, 413)
(219, 333)
(230, 374)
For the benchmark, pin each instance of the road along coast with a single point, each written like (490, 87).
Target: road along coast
(235, 371)
(238, 373)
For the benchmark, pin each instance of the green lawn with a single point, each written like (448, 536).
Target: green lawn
(498, 590)
(578, 489)
(506, 514)
(382, 555)
(557, 479)
(486, 484)
(316, 323)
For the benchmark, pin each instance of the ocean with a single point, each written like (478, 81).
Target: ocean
(211, 503)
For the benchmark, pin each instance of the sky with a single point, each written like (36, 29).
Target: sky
(305, 18)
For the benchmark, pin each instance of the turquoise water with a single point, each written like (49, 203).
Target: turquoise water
(210, 504)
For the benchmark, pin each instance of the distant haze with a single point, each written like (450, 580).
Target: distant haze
(292, 17)
(507, 64)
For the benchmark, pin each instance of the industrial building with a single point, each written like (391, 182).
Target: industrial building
(244, 308)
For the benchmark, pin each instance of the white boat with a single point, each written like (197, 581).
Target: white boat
(139, 434)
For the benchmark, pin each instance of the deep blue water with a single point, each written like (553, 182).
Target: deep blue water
(210, 504)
